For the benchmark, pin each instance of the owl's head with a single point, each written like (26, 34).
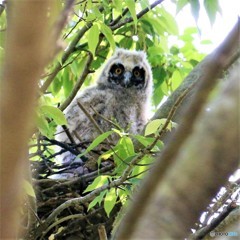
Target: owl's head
(127, 70)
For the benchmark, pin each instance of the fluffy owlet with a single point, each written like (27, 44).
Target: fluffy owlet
(122, 92)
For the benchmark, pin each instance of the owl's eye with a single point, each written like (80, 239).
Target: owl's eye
(136, 73)
(118, 71)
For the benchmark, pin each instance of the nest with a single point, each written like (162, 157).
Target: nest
(54, 184)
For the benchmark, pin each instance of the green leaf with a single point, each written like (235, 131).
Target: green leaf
(98, 182)
(176, 79)
(43, 126)
(93, 37)
(145, 4)
(74, 68)
(91, 17)
(28, 188)
(54, 113)
(206, 41)
(154, 22)
(97, 13)
(146, 141)
(157, 95)
(110, 201)
(124, 154)
(165, 88)
(181, 4)
(107, 32)
(168, 20)
(153, 127)
(126, 42)
(97, 199)
(56, 84)
(131, 6)
(128, 145)
(96, 142)
(106, 155)
(195, 8)
(117, 5)
(93, 202)
(67, 82)
(140, 171)
(212, 7)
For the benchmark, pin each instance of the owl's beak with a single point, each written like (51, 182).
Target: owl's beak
(127, 78)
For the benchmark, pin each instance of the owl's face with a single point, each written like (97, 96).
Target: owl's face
(127, 70)
(125, 77)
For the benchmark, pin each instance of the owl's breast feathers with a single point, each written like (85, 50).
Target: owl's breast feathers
(123, 106)
(121, 95)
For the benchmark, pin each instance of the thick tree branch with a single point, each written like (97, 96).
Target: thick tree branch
(229, 224)
(27, 35)
(217, 62)
(201, 233)
(204, 163)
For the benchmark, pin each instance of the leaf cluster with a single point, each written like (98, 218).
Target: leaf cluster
(93, 31)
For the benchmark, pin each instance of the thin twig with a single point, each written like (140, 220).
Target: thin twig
(63, 19)
(105, 119)
(99, 129)
(79, 82)
(75, 181)
(219, 202)
(65, 56)
(64, 66)
(70, 217)
(139, 15)
(63, 145)
(115, 21)
(170, 115)
(70, 137)
(92, 120)
(201, 233)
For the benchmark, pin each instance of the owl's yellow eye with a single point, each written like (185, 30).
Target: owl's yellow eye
(136, 73)
(118, 71)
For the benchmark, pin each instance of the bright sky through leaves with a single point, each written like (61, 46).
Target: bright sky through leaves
(216, 33)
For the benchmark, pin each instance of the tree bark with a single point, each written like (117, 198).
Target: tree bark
(202, 166)
(171, 155)
(26, 52)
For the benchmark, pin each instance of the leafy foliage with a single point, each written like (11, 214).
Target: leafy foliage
(171, 61)
(96, 29)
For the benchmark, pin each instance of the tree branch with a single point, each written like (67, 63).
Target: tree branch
(91, 119)
(193, 78)
(80, 34)
(201, 233)
(65, 56)
(217, 62)
(79, 82)
(28, 36)
(139, 15)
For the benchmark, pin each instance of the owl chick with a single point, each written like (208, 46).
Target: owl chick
(122, 93)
